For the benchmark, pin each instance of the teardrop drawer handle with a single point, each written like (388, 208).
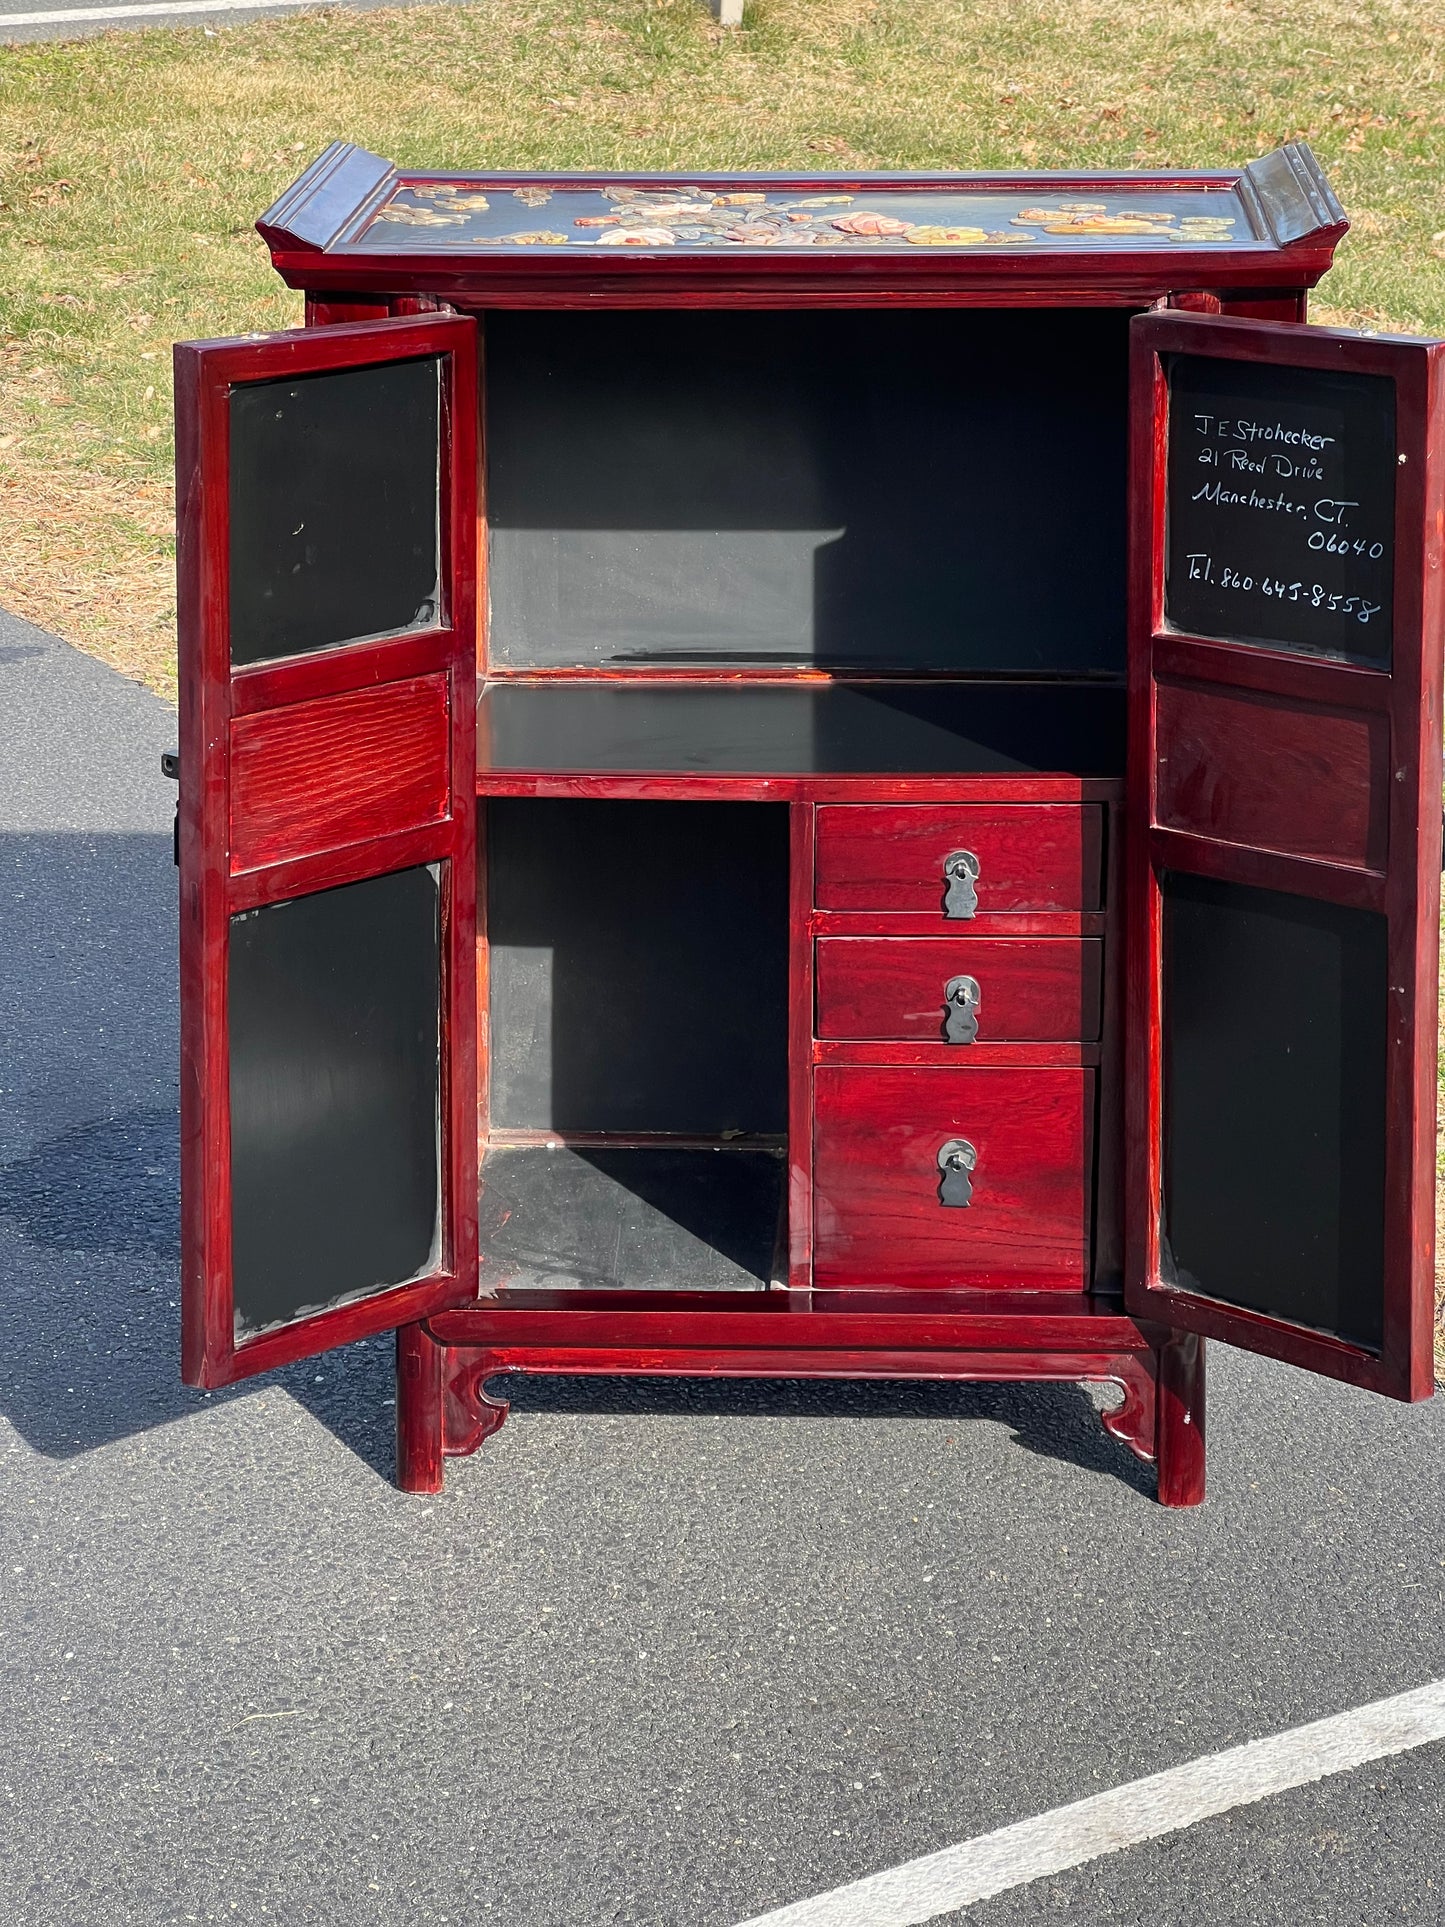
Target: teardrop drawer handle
(960, 875)
(956, 1160)
(961, 999)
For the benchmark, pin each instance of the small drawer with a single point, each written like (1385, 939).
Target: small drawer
(1011, 1210)
(970, 860)
(960, 990)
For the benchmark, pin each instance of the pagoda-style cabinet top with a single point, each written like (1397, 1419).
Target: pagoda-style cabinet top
(355, 221)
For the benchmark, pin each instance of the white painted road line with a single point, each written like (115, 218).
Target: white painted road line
(67, 16)
(940, 1883)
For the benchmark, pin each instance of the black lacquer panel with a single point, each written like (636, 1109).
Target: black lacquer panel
(880, 728)
(1281, 507)
(629, 1219)
(334, 1004)
(1274, 1104)
(935, 489)
(638, 965)
(335, 508)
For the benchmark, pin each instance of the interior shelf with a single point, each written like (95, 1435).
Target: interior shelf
(881, 728)
(637, 1219)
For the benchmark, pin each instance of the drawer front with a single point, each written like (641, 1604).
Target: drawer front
(1025, 857)
(960, 990)
(1013, 1212)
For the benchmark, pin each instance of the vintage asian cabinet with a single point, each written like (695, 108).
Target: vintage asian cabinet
(810, 776)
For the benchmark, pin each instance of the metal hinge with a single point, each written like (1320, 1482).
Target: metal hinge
(171, 768)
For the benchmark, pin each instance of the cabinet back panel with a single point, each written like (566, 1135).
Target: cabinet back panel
(638, 965)
(938, 489)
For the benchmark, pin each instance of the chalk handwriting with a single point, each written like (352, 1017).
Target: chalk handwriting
(1203, 567)
(1280, 514)
(1232, 429)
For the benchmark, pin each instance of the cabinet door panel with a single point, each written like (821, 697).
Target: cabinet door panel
(1283, 840)
(326, 490)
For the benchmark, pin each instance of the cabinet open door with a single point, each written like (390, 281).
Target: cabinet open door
(1284, 840)
(326, 500)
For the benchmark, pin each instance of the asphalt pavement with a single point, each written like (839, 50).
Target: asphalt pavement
(661, 1655)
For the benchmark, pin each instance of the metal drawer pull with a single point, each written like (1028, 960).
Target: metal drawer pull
(960, 874)
(961, 999)
(956, 1161)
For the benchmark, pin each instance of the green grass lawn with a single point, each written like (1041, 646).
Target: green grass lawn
(133, 166)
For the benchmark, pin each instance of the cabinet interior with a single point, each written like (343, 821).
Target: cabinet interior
(920, 512)
(637, 971)
(869, 491)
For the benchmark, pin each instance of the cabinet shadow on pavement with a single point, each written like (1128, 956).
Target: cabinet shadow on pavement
(89, 1210)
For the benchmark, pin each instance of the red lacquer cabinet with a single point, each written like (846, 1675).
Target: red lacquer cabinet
(809, 776)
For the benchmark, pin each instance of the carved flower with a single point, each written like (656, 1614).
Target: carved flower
(669, 211)
(867, 223)
(946, 237)
(638, 237)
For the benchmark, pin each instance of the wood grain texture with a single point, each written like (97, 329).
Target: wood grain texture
(1031, 990)
(318, 775)
(974, 1318)
(1031, 858)
(321, 313)
(419, 1360)
(335, 672)
(470, 1413)
(802, 822)
(1179, 1439)
(1342, 883)
(720, 786)
(941, 1056)
(973, 278)
(1108, 1254)
(878, 1219)
(913, 923)
(1248, 767)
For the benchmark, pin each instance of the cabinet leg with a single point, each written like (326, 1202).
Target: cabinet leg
(418, 1410)
(1179, 1420)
